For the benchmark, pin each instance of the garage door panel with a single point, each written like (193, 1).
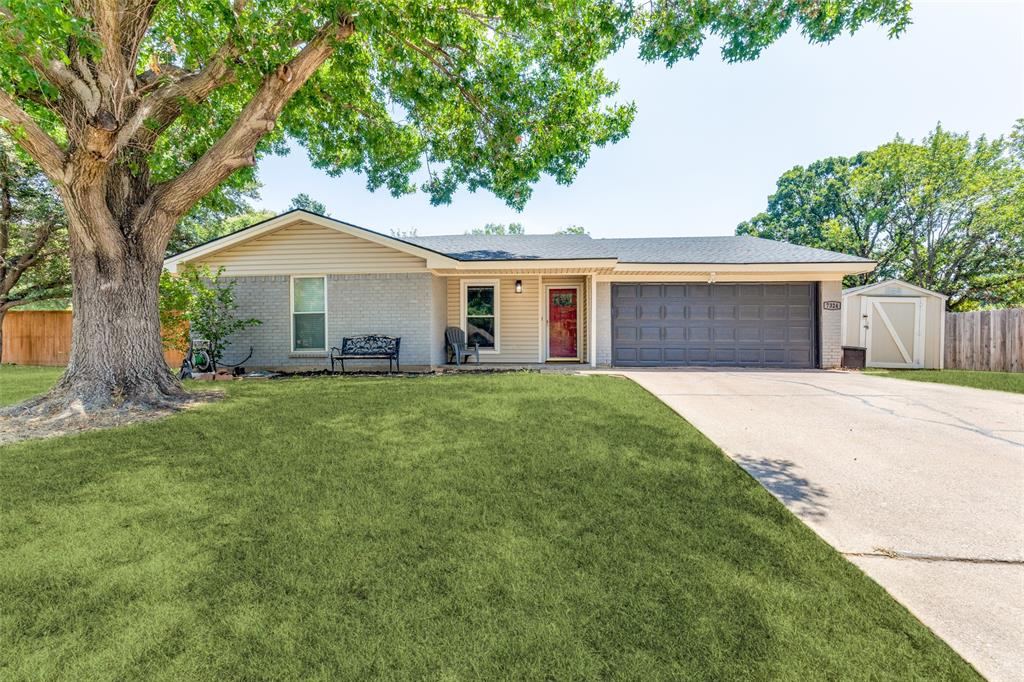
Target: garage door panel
(674, 355)
(725, 312)
(799, 312)
(752, 324)
(648, 354)
(626, 312)
(699, 333)
(749, 334)
(651, 291)
(698, 355)
(650, 334)
(624, 355)
(699, 312)
(674, 309)
(750, 312)
(799, 335)
(623, 333)
(698, 291)
(751, 357)
(649, 311)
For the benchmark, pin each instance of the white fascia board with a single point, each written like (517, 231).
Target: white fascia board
(840, 269)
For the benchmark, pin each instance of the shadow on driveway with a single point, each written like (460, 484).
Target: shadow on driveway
(803, 498)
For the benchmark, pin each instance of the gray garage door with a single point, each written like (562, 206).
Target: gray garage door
(750, 325)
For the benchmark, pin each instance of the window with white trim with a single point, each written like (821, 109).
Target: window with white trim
(309, 313)
(480, 301)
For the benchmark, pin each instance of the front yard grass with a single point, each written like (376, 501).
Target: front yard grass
(1011, 382)
(18, 382)
(515, 526)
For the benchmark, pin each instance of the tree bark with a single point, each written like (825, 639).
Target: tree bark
(116, 349)
(2, 313)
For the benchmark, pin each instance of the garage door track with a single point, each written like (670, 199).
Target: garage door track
(921, 485)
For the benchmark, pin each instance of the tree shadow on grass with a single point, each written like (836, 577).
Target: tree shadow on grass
(779, 476)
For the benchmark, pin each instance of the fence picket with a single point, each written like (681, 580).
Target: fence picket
(988, 340)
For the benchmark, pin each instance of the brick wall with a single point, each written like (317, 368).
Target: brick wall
(603, 320)
(400, 304)
(831, 326)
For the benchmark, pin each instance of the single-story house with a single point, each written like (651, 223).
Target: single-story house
(526, 299)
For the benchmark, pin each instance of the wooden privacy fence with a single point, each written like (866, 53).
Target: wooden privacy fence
(990, 340)
(43, 337)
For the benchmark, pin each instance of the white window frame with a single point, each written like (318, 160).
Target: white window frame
(496, 283)
(292, 314)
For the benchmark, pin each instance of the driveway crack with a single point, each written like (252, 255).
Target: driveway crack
(886, 553)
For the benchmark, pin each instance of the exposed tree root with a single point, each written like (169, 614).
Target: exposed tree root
(63, 411)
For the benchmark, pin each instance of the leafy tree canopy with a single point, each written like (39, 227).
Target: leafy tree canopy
(484, 94)
(946, 214)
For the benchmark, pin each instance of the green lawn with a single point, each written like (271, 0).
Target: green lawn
(18, 382)
(1012, 382)
(513, 526)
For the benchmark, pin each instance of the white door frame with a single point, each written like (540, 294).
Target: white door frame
(872, 312)
(546, 324)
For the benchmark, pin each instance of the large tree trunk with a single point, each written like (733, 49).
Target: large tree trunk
(2, 313)
(116, 350)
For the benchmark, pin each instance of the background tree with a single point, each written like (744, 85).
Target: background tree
(572, 229)
(946, 214)
(33, 235)
(138, 110)
(203, 226)
(499, 228)
(306, 203)
(217, 214)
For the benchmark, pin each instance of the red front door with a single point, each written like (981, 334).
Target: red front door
(562, 323)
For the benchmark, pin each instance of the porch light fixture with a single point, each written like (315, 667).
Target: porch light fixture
(519, 286)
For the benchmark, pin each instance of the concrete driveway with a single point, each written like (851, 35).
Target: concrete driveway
(921, 485)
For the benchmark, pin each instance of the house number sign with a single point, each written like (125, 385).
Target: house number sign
(831, 305)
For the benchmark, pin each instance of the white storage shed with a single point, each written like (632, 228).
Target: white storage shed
(899, 324)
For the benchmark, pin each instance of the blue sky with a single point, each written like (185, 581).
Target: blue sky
(710, 139)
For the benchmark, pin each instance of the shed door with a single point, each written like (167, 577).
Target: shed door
(769, 324)
(892, 330)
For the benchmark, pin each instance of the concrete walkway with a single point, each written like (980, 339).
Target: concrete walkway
(921, 485)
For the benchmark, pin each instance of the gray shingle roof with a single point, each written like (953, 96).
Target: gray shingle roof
(731, 250)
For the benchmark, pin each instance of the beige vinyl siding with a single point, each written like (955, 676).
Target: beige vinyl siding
(304, 248)
(518, 323)
(520, 316)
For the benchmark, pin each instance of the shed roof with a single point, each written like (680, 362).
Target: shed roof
(865, 288)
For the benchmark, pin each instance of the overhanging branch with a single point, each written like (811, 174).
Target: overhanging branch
(32, 138)
(235, 149)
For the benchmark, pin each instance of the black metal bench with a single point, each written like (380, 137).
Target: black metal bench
(369, 347)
